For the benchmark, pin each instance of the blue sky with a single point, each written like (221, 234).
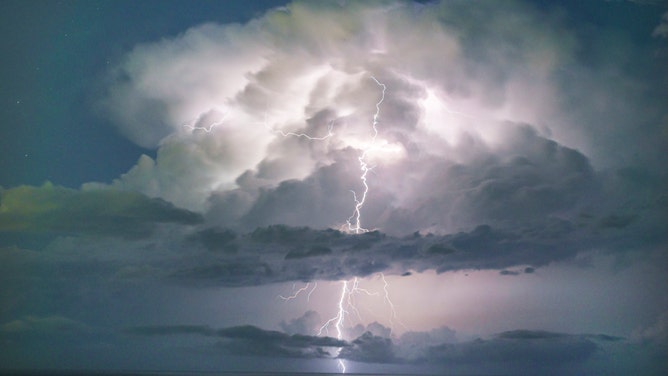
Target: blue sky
(399, 187)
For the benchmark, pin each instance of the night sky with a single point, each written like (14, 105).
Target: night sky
(363, 187)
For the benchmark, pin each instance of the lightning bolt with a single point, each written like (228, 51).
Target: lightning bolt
(308, 297)
(354, 221)
(304, 135)
(329, 134)
(338, 320)
(299, 291)
(339, 316)
(386, 298)
(210, 127)
(346, 305)
(355, 289)
(349, 289)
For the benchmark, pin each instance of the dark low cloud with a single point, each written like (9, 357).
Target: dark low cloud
(511, 350)
(252, 333)
(516, 351)
(509, 272)
(250, 340)
(215, 256)
(532, 351)
(280, 253)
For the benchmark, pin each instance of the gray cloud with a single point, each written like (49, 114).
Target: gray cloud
(509, 272)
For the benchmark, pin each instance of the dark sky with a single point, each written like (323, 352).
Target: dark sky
(399, 187)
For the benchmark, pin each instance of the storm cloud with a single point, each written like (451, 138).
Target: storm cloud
(475, 139)
(502, 163)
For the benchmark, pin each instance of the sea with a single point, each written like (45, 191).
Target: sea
(174, 373)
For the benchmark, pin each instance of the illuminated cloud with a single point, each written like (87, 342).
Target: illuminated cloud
(308, 67)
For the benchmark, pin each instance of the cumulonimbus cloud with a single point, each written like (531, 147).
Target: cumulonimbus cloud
(307, 69)
(264, 123)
